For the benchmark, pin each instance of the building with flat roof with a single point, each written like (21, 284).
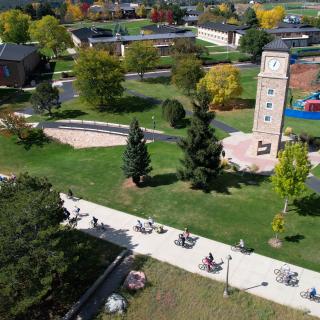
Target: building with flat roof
(294, 35)
(162, 41)
(80, 36)
(17, 63)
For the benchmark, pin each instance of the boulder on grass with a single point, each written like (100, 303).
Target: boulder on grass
(116, 304)
(135, 280)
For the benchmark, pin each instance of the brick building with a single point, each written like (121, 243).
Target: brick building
(17, 62)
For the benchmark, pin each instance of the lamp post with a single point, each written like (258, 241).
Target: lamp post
(226, 289)
(153, 126)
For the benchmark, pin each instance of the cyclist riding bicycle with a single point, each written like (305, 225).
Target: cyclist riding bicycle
(241, 244)
(208, 263)
(312, 292)
(151, 222)
(94, 221)
(186, 233)
(139, 224)
(210, 257)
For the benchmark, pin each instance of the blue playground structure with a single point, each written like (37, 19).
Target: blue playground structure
(300, 103)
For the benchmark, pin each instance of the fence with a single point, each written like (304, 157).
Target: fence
(302, 114)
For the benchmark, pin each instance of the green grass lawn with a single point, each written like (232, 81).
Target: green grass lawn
(176, 294)
(233, 56)
(304, 12)
(61, 65)
(204, 43)
(133, 27)
(316, 171)
(237, 206)
(17, 100)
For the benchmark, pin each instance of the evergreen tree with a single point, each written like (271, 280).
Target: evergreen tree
(202, 150)
(136, 159)
(250, 18)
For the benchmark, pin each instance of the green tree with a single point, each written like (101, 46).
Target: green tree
(50, 35)
(253, 42)
(291, 172)
(200, 7)
(99, 77)
(186, 46)
(186, 73)
(141, 56)
(45, 97)
(141, 11)
(136, 159)
(278, 224)
(250, 18)
(201, 148)
(29, 10)
(173, 111)
(31, 261)
(13, 124)
(14, 26)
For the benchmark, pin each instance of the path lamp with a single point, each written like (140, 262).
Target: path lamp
(226, 289)
(153, 126)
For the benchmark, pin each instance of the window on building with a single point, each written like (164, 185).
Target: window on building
(267, 119)
(269, 105)
(270, 92)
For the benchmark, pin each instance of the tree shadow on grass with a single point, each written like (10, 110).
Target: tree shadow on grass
(308, 205)
(158, 80)
(129, 104)
(157, 180)
(231, 180)
(67, 114)
(183, 123)
(35, 137)
(296, 238)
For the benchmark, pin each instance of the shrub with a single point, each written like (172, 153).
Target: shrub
(316, 143)
(173, 111)
(244, 59)
(306, 138)
(288, 131)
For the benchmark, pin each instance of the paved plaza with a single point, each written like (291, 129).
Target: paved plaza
(252, 273)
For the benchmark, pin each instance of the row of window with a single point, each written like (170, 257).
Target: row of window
(269, 105)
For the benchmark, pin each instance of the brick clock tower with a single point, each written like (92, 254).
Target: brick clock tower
(272, 88)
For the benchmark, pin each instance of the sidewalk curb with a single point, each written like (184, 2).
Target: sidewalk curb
(84, 298)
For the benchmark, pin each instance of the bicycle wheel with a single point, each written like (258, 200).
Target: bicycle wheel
(202, 266)
(279, 279)
(277, 271)
(234, 248)
(136, 229)
(177, 242)
(304, 294)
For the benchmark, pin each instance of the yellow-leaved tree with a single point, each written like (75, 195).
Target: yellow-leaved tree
(269, 19)
(223, 8)
(74, 13)
(222, 82)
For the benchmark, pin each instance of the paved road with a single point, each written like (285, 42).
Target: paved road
(105, 128)
(252, 273)
(313, 183)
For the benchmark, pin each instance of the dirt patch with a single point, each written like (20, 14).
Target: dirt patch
(85, 139)
(128, 183)
(303, 77)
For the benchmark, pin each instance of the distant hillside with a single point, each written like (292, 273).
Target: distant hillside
(7, 4)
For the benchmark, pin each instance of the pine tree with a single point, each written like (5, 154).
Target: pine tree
(136, 159)
(202, 150)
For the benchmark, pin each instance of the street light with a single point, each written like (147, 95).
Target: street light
(153, 126)
(226, 289)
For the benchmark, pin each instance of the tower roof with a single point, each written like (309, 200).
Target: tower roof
(276, 45)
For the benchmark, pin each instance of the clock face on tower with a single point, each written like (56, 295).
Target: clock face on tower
(274, 64)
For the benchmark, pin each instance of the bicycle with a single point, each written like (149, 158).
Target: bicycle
(93, 224)
(238, 248)
(306, 295)
(213, 268)
(139, 229)
(288, 280)
(283, 270)
(186, 245)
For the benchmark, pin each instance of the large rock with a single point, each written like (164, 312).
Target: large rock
(116, 304)
(135, 280)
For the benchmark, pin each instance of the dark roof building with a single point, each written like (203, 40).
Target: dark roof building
(163, 29)
(277, 45)
(17, 62)
(81, 36)
(222, 27)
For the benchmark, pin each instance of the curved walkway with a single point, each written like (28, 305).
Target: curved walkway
(252, 273)
(105, 128)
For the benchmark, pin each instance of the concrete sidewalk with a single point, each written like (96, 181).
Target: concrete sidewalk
(253, 273)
